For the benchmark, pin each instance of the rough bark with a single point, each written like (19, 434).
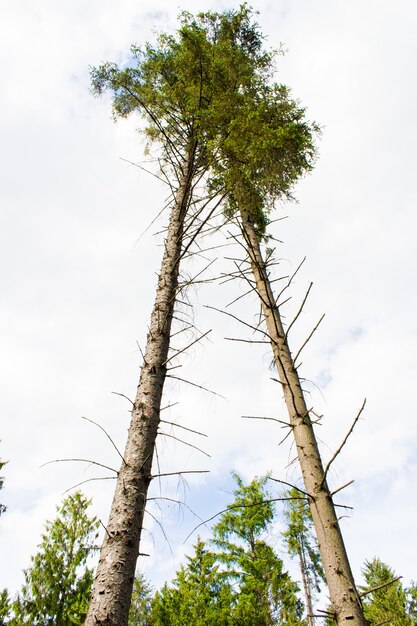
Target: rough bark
(344, 597)
(112, 589)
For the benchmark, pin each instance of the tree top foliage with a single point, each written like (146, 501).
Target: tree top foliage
(208, 89)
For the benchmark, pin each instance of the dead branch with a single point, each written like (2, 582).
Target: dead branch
(186, 347)
(244, 340)
(342, 487)
(179, 473)
(299, 311)
(236, 506)
(122, 395)
(283, 482)
(89, 480)
(290, 280)
(309, 337)
(355, 421)
(390, 582)
(259, 330)
(190, 430)
(186, 443)
(80, 461)
(107, 434)
(183, 380)
(272, 419)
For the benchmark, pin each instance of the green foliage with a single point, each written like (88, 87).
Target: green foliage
(301, 541)
(5, 607)
(199, 596)
(387, 603)
(57, 585)
(141, 602)
(188, 84)
(411, 593)
(267, 595)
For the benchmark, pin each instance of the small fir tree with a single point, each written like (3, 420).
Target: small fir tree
(267, 595)
(57, 585)
(387, 604)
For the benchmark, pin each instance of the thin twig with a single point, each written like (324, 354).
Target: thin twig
(81, 461)
(390, 582)
(195, 385)
(342, 487)
(355, 421)
(87, 419)
(186, 443)
(309, 337)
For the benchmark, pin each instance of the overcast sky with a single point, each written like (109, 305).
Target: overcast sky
(77, 285)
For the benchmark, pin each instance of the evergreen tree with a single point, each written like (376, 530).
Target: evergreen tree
(186, 88)
(266, 595)
(411, 593)
(5, 607)
(262, 152)
(141, 602)
(57, 585)
(389, 603)
(302, 543)
(198, 596)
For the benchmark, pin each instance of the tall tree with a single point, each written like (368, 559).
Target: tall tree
(184, 88)
(263, 151)
(267, 595)
(302, 543)
(388, 602)
(57, 585)
(198, 596)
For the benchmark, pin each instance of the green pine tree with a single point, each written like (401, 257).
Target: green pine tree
(199, 595)
(267, 595)
(5, 607)
(387, 604)
(57, 585)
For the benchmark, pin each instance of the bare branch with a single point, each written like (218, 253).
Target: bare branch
(283, 482)
(89, 480)
(390, 582)
(184, 442)
(309, 337)
(272, 419)
(107, 434)
(342, 487)
(122, 395)
(81, 461)
(298, 312)
(183, 380)
(355, 421)
(180, 473)
(186, 347)
(190, 430)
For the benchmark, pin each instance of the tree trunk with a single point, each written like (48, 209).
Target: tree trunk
(112, 589)
(306, 585)
(344, 597)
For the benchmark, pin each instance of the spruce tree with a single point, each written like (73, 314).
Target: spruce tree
(388, 604)
(58, 583)
(186, 87)
(266, 593)
(198, 596)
